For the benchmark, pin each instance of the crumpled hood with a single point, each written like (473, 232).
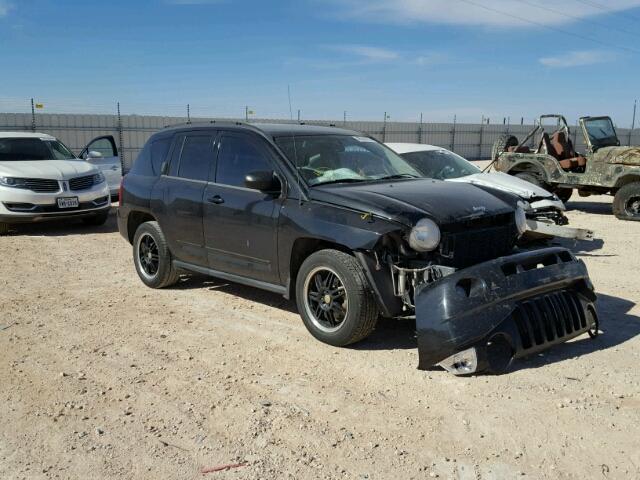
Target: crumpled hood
(408, 201)
(51, 169)
(506, 183)
(621, 155)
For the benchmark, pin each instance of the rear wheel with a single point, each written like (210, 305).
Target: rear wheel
(564, 194)
(502, 144)
(626, 203)
(334, 298)
(4, 228)
(152, 257)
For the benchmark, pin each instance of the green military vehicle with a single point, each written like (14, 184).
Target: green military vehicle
(605, 167)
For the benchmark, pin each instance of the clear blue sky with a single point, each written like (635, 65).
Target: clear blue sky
(440, 57)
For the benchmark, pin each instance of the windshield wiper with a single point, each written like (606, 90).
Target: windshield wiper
(340, 180)
(399, 175)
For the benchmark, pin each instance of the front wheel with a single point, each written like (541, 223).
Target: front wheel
(334, 298)
(564, 194)
(152, 257)
(532, 178)
(626, 203)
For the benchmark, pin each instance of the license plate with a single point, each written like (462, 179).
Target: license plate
(68, 202)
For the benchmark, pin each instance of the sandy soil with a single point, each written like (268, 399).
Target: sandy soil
(104, 378)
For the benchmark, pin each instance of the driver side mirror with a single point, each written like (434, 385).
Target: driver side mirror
(93, 154)
(265, 181)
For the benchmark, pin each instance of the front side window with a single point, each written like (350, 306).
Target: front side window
(440, 164)
(237, 158)
(324, 159)
(196, 157)
(104, 146)
(21, 149)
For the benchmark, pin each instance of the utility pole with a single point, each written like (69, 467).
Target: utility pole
(33, 116)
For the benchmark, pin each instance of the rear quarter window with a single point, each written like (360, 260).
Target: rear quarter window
(149, 161)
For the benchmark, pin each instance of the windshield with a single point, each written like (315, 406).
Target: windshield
(322, 159)
(440, 164)
(20, 149)
(601, 132)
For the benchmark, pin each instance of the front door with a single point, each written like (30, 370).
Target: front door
(240, 224)
(181, 189)
(103, 153)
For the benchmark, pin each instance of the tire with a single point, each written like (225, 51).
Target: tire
(502, 143)
(626, 203)
(532, 178)
(4, 228)
(564, 194)
(351, 323)
(164, 274)
(96, 220)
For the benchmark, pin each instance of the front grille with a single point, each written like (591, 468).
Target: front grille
(475, 241)
(53, 208)
(81, 183)
(549, 319)
(39, 185)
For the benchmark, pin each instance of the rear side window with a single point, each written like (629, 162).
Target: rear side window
(159, 150)
(142, 165)
(238, 157)
(196, 157)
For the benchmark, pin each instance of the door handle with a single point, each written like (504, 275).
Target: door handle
(217, 199)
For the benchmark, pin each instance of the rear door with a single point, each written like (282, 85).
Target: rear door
(103, 153)
(180, 190)
(241, 224)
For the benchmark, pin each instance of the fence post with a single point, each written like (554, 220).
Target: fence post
(453, 135)
(188, 113)
(120, 140)
(33, 116)
(384, 128)
(481, 140)
(420, 129)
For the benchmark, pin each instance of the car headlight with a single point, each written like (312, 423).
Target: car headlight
(425, 236)
(12, 182)
(521, 218)
(98, 178)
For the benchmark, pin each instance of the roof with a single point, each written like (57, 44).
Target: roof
(269, 129)
(412, 147)
(16, 134)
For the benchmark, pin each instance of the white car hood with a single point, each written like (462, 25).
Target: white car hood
(507, 183)
(51, 169)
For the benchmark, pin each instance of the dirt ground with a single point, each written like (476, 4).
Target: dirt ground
(104, 378)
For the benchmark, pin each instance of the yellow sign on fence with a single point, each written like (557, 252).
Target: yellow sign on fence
(39, 105)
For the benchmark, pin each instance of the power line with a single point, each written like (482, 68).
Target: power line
(549, 27)
(578, 19)
(606, 9)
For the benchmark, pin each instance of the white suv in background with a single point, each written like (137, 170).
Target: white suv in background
(41, 179)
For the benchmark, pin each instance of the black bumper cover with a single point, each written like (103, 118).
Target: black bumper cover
(520, 304)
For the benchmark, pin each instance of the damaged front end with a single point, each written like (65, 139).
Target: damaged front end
(482, 317)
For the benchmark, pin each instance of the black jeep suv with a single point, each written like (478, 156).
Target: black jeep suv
(337, 220)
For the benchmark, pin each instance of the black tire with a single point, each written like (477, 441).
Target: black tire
(96, 220)
(4, 228)
(532, 178)
(155, 246)
(503, 142)
(564, 194)
(355, 317)
(626, 203)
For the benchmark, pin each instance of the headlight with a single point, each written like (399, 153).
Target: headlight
(521, 218)
(425, 236)
(98, 178)
(11, 182)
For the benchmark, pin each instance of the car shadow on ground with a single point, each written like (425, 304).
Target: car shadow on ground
(597, 208)
(62, 228)
(582, 247)
(617, 326)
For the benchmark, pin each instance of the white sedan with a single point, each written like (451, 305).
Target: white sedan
(545, 215)
(41, 179)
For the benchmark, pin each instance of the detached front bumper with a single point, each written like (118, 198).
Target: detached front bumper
(482, 317)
